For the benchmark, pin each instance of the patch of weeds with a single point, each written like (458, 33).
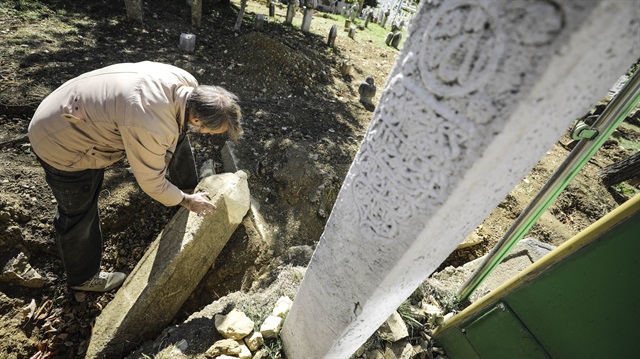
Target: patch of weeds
(525, 188)
(25, 9)
(626, 189)
(274, 349)
(628, 144)
(412, 319)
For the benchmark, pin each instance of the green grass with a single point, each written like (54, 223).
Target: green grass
(625, 143)
(626, 189)
(322, 22)
(374, 32)
(25, 9)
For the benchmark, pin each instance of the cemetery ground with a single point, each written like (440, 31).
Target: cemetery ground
(303, 125)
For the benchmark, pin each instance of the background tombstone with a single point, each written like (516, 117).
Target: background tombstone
(187, 42)
(333, 33)
(467, 111)
(366, 22)
(243, 6)
(291, 12)
(385, 17)
(308, 15)
(366, 90)
(389, 38)
(395, 41)
(272, 10)
(259, 21)
(352, 32)
(345, 68)
(134, 10)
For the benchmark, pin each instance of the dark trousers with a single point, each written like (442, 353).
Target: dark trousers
(182, 167)
(77, 221)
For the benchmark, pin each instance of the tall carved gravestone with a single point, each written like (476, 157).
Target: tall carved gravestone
(479, 93)
(291, 12)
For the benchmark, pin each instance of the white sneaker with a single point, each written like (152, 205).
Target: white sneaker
(102, 282)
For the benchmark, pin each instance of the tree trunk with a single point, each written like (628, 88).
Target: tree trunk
(243, 5)
(621, 171)
(134, 9)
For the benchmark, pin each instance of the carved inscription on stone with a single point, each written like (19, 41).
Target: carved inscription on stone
(464, 45)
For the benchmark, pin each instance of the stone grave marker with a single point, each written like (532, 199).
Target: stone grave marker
(389, 38)
(331, 42)
(272, 10)
(395, 41)
(369, 16)
(187, 42)
(291, 12)
(259, 21)
(352, 32)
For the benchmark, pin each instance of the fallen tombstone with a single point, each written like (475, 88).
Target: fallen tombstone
(171, 269)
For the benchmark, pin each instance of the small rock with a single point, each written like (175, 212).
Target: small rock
(254, 341)
(245, 353)
(262, 354)
(224, 347)
(431, 310)
(19, 271)
(375, 354)
(393, 329)
(80, 296)
(282, 307)
(235, 325)
(402, 349)
(271, 327)
(299, 255)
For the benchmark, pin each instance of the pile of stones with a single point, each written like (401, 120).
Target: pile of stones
(241, 340)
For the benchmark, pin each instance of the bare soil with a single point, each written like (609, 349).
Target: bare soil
(303, 126)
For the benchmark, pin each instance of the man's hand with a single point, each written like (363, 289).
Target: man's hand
(199, 203)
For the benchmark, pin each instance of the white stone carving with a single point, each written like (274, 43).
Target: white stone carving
(465, 44)
(535, 22)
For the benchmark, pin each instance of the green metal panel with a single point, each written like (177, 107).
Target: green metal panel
(457, 345)
(498, 334)
(586, 305)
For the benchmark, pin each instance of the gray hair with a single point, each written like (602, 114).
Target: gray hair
(215, 106)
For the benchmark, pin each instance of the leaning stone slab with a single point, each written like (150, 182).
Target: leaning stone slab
(171, 268)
